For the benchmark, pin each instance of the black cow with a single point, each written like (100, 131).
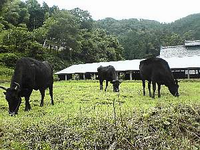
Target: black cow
(108, 73)
(156, 70)
(29, 74)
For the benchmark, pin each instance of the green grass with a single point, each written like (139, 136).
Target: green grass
(84, 117)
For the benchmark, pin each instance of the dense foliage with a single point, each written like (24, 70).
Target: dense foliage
(66, 37)
(143, 38)
(62, 37)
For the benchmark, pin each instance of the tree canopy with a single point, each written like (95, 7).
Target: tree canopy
(63, 37)
(66, 37)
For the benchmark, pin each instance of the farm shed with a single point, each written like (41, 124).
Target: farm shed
(185, 67)
(184, 61)
(89, 70)
(182, 67)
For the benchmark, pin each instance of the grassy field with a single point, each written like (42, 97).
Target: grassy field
(84, 117)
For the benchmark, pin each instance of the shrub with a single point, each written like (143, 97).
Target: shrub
(36, 51)
(5, 74)
(3, 49)
(9, 59)
(56, 62)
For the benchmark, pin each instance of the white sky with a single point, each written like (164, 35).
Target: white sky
(159, 10)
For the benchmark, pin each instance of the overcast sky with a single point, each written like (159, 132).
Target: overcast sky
(159, 10)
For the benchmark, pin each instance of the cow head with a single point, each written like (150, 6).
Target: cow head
(174, 88)
(116, 84)
(13, 98)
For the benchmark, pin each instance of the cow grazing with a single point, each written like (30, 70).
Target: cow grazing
(108, 73)
(29, 74)
(157, 70)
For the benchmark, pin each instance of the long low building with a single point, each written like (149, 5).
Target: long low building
(89, 69)
(182, 67)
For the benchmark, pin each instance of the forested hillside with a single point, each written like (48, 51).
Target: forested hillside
(63, 37)
(188, 27)
(142, 38)
(66, 37)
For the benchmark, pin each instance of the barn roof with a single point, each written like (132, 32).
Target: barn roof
(183, 62)
(132, 65)
(179, 51)
(190, 48)
(92, 67)
(192, 43)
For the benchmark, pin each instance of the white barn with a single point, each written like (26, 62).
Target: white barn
(130, 66)
(184, 61)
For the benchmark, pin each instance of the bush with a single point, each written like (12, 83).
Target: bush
(56, 62)
(3, 49)
(36, 51)
(9, 59)
(5, 74)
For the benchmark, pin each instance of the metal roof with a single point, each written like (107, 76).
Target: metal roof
(92, 67)
(183, 62)
(190, 48)
(132, 65)
(192, 43)
(179, 51)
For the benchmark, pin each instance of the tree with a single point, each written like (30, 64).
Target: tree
(19, 39)
(41, 32)
(2, 4)
(99, 46)
(64, 33)
(84, 18)
(37, 16)
(140, 44)
(16, 13)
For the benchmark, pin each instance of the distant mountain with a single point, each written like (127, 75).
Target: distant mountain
(189, 26)
(142, 38)
(120, 27)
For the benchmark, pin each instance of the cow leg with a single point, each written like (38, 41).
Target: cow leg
(143, 85)
(159, 87)
(106, 85)
(149, 87)
(51, 94)
(27, 104)
(101, 84)
(27, 97)
(154, 89)
(42, 92)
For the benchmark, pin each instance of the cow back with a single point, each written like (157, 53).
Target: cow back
(31, 73)
(156, 69)
(107, 73)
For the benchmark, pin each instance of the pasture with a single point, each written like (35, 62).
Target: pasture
(84, 117)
